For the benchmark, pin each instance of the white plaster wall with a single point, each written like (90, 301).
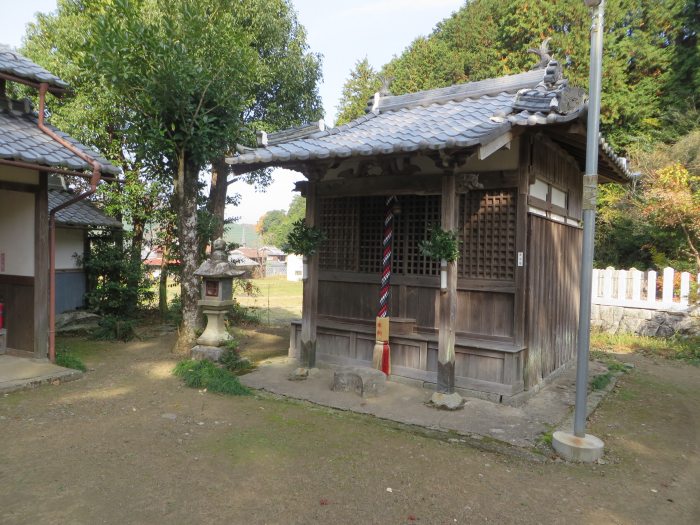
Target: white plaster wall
(294, 267)
(69, 241)
(17, 233)
(13, 174)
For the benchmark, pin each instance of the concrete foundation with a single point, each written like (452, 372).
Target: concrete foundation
(586, 449)
(18, 373)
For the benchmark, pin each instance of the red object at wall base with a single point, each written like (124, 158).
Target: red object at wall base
(2, 316)
(386, 359)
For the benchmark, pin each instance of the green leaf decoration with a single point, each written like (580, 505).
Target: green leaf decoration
(440, 245)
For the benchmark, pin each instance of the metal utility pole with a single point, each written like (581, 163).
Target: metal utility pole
(581, 446)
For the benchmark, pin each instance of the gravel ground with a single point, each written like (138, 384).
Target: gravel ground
(129, 444)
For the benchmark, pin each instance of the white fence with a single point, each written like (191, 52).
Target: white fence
(635, 289)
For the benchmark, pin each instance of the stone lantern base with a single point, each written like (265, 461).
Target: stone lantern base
(209, 353)
(215, 333)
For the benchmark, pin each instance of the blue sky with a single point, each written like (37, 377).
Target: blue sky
(343, 31)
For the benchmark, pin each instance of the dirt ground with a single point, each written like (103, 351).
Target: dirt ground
(129, 444)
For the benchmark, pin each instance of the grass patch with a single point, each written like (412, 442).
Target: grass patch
(232, 361)
(601, 381)
(205, 374)
(676, 347)
(66, 359)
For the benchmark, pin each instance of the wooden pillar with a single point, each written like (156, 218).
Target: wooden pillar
(521, 241)
(41, 269)
(310, 293)
(448, 299)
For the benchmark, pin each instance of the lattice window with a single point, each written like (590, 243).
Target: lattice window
(418, 214)
(339, 219)
(487, 232)
(371, 225)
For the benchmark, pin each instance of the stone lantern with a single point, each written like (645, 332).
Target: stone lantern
(217, 275)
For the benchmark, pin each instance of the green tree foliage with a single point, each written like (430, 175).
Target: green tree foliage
(275, 225)
(357, 90)
(650, 68)
(654, 222)
(116, 283)
(188, 79)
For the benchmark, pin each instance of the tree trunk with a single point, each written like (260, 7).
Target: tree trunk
(186, 194)
(135, 272)
(163, 283)
(216, 203)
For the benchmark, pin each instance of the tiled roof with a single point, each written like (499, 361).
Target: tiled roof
(22, 140)
(15, 64)
(251, 253)
(460, 116)
(82, 213)
(242, 261)
(271, 250)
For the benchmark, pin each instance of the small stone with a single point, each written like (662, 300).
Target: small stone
(388, 489)
(444, 401)
(299, 374)
(168, 415)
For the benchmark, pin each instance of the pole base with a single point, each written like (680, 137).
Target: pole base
(587, 449)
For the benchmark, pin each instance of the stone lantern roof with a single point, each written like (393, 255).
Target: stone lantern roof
(218, 265)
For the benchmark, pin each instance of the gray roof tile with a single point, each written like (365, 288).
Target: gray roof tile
(12, 63)
(82, 213)
(22, 140)
(462, 116)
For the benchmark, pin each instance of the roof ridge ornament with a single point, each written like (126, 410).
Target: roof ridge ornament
(543, 52)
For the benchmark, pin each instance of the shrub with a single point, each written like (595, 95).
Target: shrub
(231, 359)
(118, 284)
(205, 374)
(241, 315)
(112, 328)
(303, 240)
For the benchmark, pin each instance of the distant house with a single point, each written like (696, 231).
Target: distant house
(247, 259)
(272, 254)
(30, 149)
(295, 267)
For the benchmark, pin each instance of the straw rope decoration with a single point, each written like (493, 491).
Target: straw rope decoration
(385, 290)
(382, 353)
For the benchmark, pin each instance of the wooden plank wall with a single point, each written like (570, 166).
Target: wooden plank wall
(553, 296)
(551, 163)
(354, 296)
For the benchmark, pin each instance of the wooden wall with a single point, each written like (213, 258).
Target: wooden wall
(17, 294)
(496, 370)
(483, 312)
(552, 164)
(552, 296)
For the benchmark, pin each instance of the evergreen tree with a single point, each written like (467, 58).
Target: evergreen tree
(357, 90)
